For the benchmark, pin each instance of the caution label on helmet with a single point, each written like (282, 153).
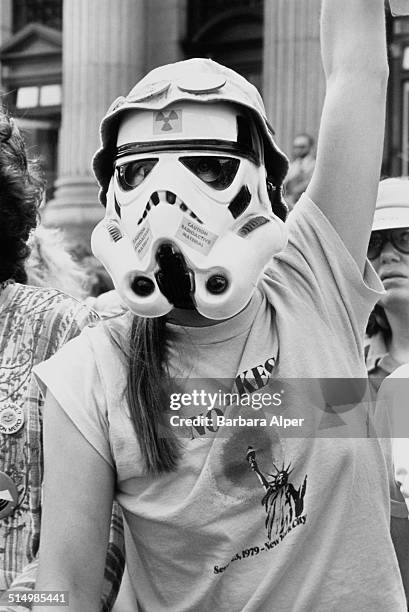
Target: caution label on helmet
(142, 240)
(196, 236)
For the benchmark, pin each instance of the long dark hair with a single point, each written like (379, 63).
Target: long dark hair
(21, 190)
(378, 323)
(147, 394)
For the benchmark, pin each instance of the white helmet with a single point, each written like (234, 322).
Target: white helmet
(189, 220)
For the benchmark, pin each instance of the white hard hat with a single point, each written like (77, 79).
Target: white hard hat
(392, 205)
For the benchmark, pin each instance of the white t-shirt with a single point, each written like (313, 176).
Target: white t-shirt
(307, 529)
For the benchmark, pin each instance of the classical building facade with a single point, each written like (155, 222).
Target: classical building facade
(64, 61)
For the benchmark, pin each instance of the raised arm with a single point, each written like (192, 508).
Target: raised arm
(77, 502)
(349, 151)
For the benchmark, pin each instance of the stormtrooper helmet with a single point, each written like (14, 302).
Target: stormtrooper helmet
(189, 220)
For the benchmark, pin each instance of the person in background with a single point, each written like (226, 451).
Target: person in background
(50, 264)
(387, 341)
(387, 333)
(34, 323)
(301, 168)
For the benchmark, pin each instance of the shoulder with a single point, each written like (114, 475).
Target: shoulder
(105, 344)
(307, 230)
(307, 213)
(317, 268)
(42, 300)
(91, 369)
(114, 331)
(107, 304)
(49, 313)
(309, 234)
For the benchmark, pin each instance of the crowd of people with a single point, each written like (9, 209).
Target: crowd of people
(111, 471)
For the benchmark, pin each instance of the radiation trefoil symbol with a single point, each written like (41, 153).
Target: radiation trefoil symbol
(168, 121)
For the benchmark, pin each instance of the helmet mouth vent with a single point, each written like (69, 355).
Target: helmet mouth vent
(174, 277)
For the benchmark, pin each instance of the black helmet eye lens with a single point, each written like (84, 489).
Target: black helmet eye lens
(217, 172)
(132, 174)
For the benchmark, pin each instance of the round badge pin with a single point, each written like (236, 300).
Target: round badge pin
(201, 83)
(11, 418)
(144, 92)
(8, 495)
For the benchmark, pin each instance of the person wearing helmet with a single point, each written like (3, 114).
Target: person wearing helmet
(225, 298)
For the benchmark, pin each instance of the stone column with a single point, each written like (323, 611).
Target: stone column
(5, 24)
(165, 26)
(293, 79)
(5, 21)
(103, 56)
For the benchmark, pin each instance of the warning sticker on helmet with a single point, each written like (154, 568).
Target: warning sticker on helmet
(142, 240)
(167, 121)
(196, 236)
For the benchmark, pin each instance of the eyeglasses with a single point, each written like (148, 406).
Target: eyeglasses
(399, 238)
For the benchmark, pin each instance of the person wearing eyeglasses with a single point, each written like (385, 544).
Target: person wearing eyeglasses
(387, 345)
(387, 342)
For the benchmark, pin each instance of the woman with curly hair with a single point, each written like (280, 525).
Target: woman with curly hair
(34, 323)
(21, 189)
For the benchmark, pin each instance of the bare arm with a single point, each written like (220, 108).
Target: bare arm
(349, 152)
(77, 502)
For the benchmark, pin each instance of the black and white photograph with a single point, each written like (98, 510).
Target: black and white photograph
(204, 305)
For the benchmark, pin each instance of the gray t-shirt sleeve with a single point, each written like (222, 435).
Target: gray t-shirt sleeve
(72, 376)
(321, 270)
